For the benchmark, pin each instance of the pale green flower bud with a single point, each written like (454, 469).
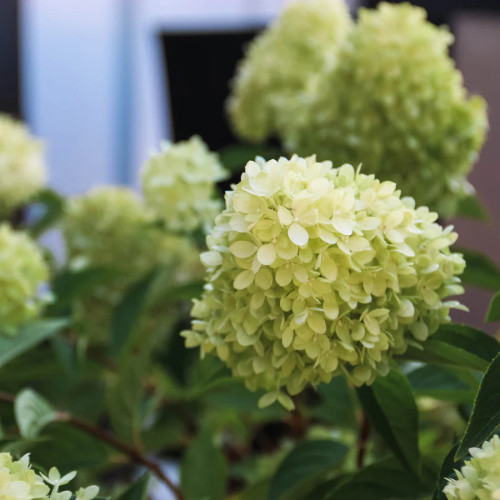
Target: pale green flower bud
(178, 183)
(18, 481)
(396, 103)
(282, 63)
(314, 272)
(479, 478)
(111, 227)
(22, 273)
(22, 165)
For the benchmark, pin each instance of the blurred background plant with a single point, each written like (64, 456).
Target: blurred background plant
(94, 375)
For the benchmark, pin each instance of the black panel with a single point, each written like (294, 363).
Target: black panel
(199, 67)
(9, 58)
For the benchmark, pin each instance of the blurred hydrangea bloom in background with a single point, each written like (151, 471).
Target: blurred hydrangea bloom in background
(22, 166)
(479, 478)
(395, 102)
(22, 273)
(314, 272)
(283, 62)
(18, 481)
(178, 183)
(111, 227)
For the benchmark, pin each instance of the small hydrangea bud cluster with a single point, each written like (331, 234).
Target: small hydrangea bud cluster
(111, 227)
(315, 271)
(22, 273)
(18, 481)
(282, 63)
(479, 478)
(22, 166)
(178, 183)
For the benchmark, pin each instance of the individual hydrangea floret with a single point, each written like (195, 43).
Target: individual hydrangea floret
(110, 227)
(18, 481)
(314, 272)
(479, 478)
(22, 166)
(23, 271)
(396, 103)
(281, 65)
(178, 183)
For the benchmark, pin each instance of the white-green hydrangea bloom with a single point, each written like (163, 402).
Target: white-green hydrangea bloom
(111, 227)
(479, 478)
(315, 272)
(22, 272)
(18, 481)
(178, 183)
(396, 103)
(281, 65)
(22, 166)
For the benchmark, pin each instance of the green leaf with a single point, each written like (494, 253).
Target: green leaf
(494, 309)
(32, 412)
(447, 468)
(480, 271)
(442, 383)
(485, 418)
(390, 406)
(29, 336)
(382, 481)
(128, 311)
(204, 470)
(50, 205)
(235, 156)
(337, 403)
(306, 462)
(71, 285)
(472, 208)
(138, 490)
(469, 339)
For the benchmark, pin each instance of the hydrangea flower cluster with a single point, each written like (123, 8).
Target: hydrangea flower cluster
(396, 102)
(479, 478)
(18, 481)
(281, 64)
(111, 227)
(22, 272)
(178, 183)
(22, 166)
(315, 272)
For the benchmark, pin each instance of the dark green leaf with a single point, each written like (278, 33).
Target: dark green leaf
(128, 312)
(235, 156)
(337, 403)
(447, 469)
(390, 406)
(50, 207)
(305, 463)
(472, 208)
(382, 481)
(70, 285)
(29, 336)
(33, 413)
(437, 352)
(494, 309)
(138, 490)
(485, 418)
(480, 271)
(186, 291)
(469, 339)
(204, 470)
(442, 383)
